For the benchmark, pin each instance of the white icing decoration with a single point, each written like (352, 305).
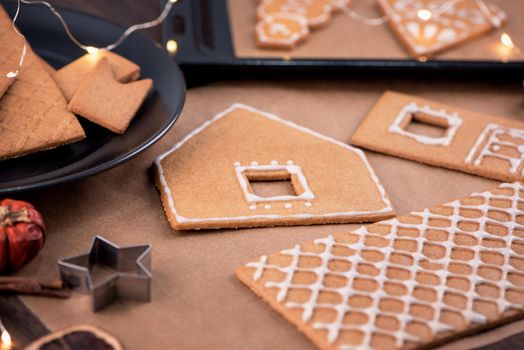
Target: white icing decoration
(254, 163)
(294, 7)
(181, 219)
(490, 137)
(274, 162)
(345, 291)
(252, 207)
(308, 204)
(405, 14)
(236, 163)
(453, 120)
(430, 30)
(290, 162)
(279, 28)
(413, 28)
(288, 205)
(267, 206)
(447, 34)
(307, 194)
(291, 38)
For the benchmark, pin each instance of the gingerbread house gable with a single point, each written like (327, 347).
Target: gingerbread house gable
(207, 179)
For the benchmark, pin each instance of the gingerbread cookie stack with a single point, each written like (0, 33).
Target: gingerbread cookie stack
(33, 111)
(37, 103)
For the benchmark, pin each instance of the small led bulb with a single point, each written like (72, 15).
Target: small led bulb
(171, 46)
(91, 50)
(424, 14)
(506, 40)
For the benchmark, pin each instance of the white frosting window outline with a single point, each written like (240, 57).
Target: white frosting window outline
(295, 170)
(453, 120)
(493, 143)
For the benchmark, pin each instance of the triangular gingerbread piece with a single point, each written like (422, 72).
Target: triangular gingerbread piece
(33, 113)
(426, 27)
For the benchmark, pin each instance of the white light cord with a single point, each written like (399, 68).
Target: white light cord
(90, 49)
(15, 73)
(128, 32)
(365, 20)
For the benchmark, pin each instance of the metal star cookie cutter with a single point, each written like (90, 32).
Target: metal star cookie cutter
(132, 279)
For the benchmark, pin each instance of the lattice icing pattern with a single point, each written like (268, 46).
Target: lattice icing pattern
(403, 282)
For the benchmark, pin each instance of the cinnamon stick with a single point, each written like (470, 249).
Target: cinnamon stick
(32, 286)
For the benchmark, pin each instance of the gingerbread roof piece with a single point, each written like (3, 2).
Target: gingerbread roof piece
(115, 113)
(207, 180)
(10, 50)
(467, 141)
(426, 27)
(33, 113)
(70, 77)
(410, 282)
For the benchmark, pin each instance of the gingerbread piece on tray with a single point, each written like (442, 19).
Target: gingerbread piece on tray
(281, 30)
(316, 12)
(70, 77)
(33, 113)
(116, 112)
(414, 281)
(444, 136)
(11, 46)
(426, 27)
(248, 168)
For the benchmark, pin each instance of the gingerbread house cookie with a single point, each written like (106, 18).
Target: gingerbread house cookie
(453, 138)
(426, 27)
(409, 282)
(282, 30)
(315, 12)
(212, 178)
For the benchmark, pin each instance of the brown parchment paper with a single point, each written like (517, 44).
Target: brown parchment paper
(197, 301)
(345, 38)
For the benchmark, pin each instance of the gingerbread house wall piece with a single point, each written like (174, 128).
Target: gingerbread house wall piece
(205, 180)
(412, 282)
(472, 142)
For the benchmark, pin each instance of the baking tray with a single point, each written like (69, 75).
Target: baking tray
(203, 33)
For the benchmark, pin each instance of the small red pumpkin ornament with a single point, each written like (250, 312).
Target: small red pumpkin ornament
(22, 234)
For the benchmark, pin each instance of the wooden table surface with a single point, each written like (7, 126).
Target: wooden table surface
(22, 324)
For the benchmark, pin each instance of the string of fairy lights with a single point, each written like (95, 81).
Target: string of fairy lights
(424, 14)
(89, 49)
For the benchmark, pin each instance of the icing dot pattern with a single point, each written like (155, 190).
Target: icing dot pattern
(409, 279)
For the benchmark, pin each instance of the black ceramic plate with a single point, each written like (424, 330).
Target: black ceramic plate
(101, 150)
